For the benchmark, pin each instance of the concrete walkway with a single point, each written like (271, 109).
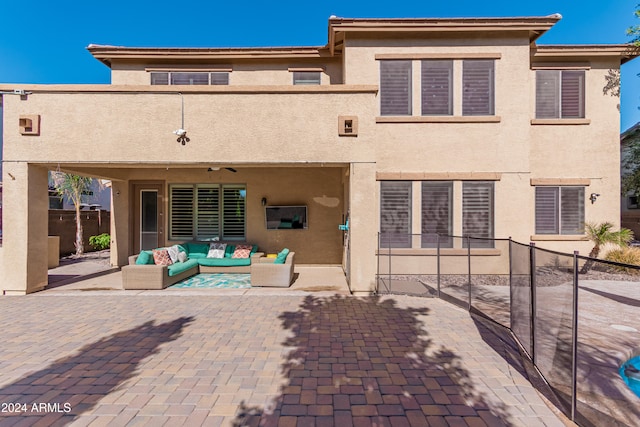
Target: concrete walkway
(275, 359)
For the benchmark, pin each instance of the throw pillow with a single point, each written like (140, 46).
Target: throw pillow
(144, 257)
(216, 250)
(173, 253)
(282, 256)
(242, 251)
(161, 257)
(182, 257)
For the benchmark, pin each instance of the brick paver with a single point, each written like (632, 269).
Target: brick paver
(120, 359)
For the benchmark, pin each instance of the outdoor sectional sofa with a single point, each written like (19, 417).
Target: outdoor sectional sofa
(143, 273)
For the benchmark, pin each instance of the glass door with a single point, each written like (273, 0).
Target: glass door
(148, 219)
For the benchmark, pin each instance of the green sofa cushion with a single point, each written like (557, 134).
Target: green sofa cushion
(223, 262)
(179, 267)
(282, 256)
(144, 258)
(193, 249)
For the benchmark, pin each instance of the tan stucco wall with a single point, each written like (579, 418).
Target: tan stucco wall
(25, 222)
(226, 127)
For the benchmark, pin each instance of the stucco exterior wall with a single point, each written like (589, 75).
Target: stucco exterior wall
(292, 126)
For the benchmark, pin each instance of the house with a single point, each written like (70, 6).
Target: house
(403, 127)
(630, 205)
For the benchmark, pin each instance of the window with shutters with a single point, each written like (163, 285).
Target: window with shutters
(478, 85)
(395, 88)
(437, 212)
(478, 213)
(205, 211)
(189, 78)
(395, 214)
(560, 94)
(437, 87)
(560, 210)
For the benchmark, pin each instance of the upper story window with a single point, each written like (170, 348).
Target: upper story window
(189, 78)
(395, 88)
(478, 87)
(306, 77)
(437, 87)
(439, 78)
(560, 94)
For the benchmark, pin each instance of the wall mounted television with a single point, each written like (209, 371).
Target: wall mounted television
(286, 217)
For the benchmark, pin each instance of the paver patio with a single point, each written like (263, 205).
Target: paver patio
(120, 358)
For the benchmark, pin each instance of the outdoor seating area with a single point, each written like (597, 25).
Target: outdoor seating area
(162, 267)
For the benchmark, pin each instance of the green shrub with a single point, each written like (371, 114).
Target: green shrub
(101, 241)
(628, 255)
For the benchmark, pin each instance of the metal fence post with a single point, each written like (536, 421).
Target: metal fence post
(389, 251)
(510, 255)
(574, 339)
(378, 266)
(438, 263)
(469, 267)
(532, 317)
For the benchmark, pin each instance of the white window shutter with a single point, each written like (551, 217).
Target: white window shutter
(437, 214)
(478, 87)
(233, 212)
(182, 208)
(395, 214)
(547, 94)
(395, 88)
(437, 87)
(208, 211)
(477, 212)
(547, 209)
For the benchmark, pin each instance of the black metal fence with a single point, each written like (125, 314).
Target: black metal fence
(576, 326)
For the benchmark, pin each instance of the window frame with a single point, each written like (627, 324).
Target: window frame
(298, 79)
(396, 239)
(389, 84)
(432, 82)
(472, 90)
(226, 229)
(425, 211)
(170, 78)
(558, 208)
(559, 82)
(491, 214)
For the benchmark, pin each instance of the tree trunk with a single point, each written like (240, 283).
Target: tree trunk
(79, 237)
(589, 264)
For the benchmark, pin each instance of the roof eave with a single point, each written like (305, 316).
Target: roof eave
(625, 52)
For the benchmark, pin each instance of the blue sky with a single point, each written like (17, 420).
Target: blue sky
(44, 41)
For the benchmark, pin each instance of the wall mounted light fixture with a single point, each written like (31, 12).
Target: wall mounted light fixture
(593, 197)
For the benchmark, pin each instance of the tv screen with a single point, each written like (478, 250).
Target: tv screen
(286, 217)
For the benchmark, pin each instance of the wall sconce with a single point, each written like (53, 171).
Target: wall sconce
(593, 197)
(264, 201)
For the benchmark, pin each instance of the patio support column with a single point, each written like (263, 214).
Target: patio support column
(25, 228)
(120, 239)
(363, 227)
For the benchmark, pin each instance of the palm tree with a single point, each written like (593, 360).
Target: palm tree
(72, 187)
(601, 234)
